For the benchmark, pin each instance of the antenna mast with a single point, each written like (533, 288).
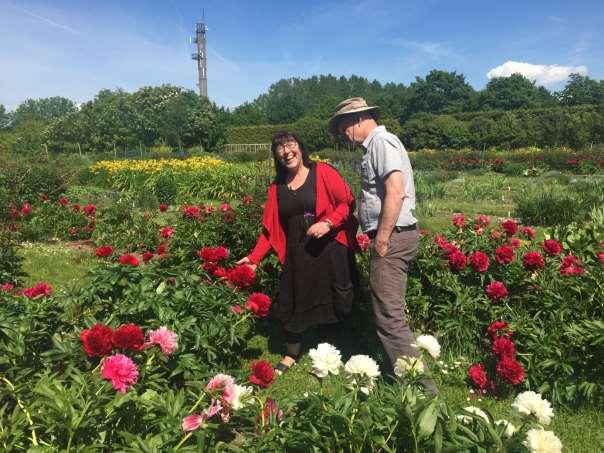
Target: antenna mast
(200, 56)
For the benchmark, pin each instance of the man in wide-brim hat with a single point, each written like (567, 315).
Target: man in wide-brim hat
(385, 212)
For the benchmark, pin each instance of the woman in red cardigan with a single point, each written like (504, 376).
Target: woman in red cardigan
(308, 222)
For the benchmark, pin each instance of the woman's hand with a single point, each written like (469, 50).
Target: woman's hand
(318, 230)
(245, 260)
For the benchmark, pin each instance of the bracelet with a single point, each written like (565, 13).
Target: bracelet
(329, 223)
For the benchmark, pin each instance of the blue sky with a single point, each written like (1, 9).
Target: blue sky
(75, 48)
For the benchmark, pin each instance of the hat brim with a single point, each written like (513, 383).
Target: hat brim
(334, 120)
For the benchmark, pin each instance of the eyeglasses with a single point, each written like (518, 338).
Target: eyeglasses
(287, 147)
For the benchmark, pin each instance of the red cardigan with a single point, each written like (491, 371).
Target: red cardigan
(334, 202)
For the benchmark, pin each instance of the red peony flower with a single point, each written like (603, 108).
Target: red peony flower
(478, 376)
(26, 209)
(89, 209)
(511, 370)
(363, 242)
(271, 410)
(533, 261)
(601, 257)
(7, 287)
(166, 232)
(259, 304)
(241, 276)
(528, 232)
(75, 207)
(445, 245)
(163, 207)
(39, 289)
(228, 216)
(504, 254)
(457, 260)
(496, 327)
(483, 220)
(63, 201)
(458, 220)
(262, 373)
(514, 242)
(162, 250)
(496, 291)
(236, 309)
(509, 226)
(225, 207)
(129, 336)
(191, 212)
(213, 254)
(219, 272)
(103, 251)
(147, 256)
(129, 260)
(479, 261)
(97, 341)
(503, 347)
(571, 266)
(210, 209)
(551, 247)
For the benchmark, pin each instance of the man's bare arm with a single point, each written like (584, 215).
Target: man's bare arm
(391, 209)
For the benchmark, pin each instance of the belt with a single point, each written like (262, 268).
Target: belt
(399, 229)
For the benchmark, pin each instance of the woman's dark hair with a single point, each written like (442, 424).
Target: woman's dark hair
(279, 139)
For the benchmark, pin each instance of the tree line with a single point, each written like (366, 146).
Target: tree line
(440, 110)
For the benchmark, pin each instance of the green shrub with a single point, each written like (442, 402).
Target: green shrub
(11, 270)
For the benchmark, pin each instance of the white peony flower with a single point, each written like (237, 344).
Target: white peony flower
(406, 364)
(429, 343)
(529, 402)
(541, 441)
(509, 428)
(241, 395)
(363, 366)
(325, 359)
(474, 410)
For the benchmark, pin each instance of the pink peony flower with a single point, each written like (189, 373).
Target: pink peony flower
(165, 339)
(458, 220)
(166, 232)
(483, 220)
(528, 232)
(7, 287)
(120, 370)
(192, 422)
(219, 382)
(39, 289)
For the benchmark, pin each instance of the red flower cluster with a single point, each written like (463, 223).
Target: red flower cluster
(241, 276)
(363, 242)
(191, 212)
(457, 260)
(501, 367)
(147, 256)
(259, 304)
(225, 207)
(166, 232)
(163, 207)
(504, 254)
(496, 291)
(103, 251)
(509, 226)
(459, 220)
(90, 210)
(601, 257)
(129, 260)
(100, 339)
(552, 247)
(26, 209)
(39, 289)
(528, 232)
(63, 201)
(162, 250)
(479, 261)
(533, 261)
(483, 220)
(571, 266)
(211, 256)
(262, 373)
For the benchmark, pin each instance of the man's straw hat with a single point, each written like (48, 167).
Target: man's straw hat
(349, 106)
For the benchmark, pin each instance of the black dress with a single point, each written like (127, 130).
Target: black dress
(316, 284)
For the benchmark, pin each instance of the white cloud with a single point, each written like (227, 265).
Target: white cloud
(541, 74)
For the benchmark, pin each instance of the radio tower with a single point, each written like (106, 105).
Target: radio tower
(200, 56)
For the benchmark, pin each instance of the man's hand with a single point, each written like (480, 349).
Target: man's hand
(245, 260)
(381, 244)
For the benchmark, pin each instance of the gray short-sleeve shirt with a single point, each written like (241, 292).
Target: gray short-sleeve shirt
(385, 154)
